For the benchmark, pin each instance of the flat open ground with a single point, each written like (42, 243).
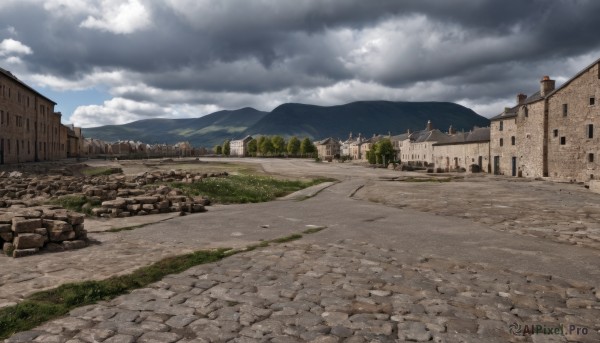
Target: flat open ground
(400, 260)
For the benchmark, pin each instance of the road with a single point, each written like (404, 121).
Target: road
(376, 273)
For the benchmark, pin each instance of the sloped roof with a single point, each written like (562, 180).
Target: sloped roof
(14, 78)
(328, 140)
(479, 134)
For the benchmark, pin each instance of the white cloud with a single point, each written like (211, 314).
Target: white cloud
(119, 17)
(95, 78)
(10, 46)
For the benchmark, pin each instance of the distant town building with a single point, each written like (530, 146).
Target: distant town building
(328, 148)
(239, 147)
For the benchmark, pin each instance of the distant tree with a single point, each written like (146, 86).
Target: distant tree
(266, 148)
(278, 144)
(293, 146)
(259, 144)
(226, 147)
(252, 147)
(307, 148)
(384, 151)
(372, 156)
(218, 149)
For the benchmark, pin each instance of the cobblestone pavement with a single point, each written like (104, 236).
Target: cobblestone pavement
(341, 292)
(431, 272)
(566, 213)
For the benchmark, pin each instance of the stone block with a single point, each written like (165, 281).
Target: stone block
(78, 227)
(117, 203)
(70, 245)
(146, 199)
(22, 225)
(5, 228)
(75, 218)
(163, 204)
(81, 235)
(8, 248)
(6, 219)
(148, 207)
(29, 241)
(134, 207)
(99, 211)
(24, 252)
(124, 214)
(57, 225)
(6, 236)
(59, 236)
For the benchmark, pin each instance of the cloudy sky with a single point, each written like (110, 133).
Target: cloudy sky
(116, 61)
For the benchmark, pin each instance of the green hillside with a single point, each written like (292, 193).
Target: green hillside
(366, 117)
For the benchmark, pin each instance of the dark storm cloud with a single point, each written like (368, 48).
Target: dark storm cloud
(477, 50)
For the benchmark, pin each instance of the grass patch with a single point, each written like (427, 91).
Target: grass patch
(236, 189)
(287, 238)
(77, 203)
(46, 305)
(98, 171)
(313, 230)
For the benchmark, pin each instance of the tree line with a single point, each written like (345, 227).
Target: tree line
(273, 146)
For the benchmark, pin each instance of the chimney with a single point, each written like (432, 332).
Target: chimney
(429, 126)
(521, 98)
(408, 131)
(546, 86)
(451, 130)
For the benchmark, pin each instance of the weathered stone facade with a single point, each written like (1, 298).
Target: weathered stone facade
(576, 156)
(553, 129)
(472, 154)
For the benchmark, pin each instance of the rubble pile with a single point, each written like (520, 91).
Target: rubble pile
(26, 231)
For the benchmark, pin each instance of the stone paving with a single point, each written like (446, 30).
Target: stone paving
(566, 213)
(417, 275)
(341, 292)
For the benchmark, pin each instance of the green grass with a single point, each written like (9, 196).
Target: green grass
(97, 171)
(76, 203)
(244, 188)
(46, 305)
(314, 230)
(287, 238)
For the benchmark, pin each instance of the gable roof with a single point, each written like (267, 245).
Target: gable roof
(14, 78)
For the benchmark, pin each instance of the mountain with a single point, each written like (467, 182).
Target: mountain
(366, 117)
(204, 131)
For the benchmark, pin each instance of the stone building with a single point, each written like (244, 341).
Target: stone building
(573, 115)
(550, 133)
(328, 148)
(467, 152)
(30, 130)
(239, 147)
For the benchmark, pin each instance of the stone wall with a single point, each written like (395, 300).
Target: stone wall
(505, 152)
(571, 161)
(530, 140)
(26, 231)
(462, 156)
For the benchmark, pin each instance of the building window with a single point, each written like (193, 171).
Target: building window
(526, 110)
(565, 110)
(501, 127)
(592, 101)
(512, 140)
(590, 157)
(501, 142)
(590, 130)
(555, 132)
(563, 140)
